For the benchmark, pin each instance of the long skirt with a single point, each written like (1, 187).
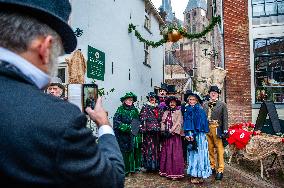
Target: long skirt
(137, 152)
(132, 159)
(172, 161)
(198, 161)
(128, 158)
(151, 151)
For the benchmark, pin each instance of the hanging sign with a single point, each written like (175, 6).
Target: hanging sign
(95, 64)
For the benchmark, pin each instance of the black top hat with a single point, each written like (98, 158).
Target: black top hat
(152, 94)
(54, 13)
(190, 93)
(171, 88)
(214, 88)
(173, 98)
(164, 86)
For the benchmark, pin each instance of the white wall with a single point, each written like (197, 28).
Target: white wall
(262, 31)
(105, 27)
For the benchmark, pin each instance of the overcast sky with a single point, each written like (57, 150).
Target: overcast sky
(178, 6)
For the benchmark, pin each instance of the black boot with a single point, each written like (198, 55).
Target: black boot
(219, 176)
(213, 170)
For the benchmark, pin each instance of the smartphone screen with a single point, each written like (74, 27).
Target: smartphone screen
(90, 96)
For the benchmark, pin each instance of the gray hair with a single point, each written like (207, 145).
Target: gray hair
(18, 30)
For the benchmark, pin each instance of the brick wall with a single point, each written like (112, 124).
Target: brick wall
(238, 81)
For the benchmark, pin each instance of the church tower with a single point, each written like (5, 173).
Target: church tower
(167, 8)
(195, 21)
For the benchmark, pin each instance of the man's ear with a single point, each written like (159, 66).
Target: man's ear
(44, 49)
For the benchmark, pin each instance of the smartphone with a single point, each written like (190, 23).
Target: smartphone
(90, 96)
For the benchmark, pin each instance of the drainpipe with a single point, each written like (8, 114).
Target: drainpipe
(223, 46)
(221, 30)
(222, 34)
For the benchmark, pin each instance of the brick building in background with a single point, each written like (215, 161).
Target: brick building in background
(266, 26)
(237, 60)
(250, 46)
(253, 56)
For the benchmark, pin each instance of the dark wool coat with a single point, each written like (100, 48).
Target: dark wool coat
(151, 116)
(122, 126)
(45, 143)
(220, 113)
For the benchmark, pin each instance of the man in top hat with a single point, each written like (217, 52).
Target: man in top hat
(217, 114)
(44, 140)
(56, 88)
(162, 96)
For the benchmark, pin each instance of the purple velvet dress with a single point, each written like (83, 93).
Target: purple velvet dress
(172, 161)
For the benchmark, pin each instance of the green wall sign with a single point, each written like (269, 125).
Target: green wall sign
(95, 64)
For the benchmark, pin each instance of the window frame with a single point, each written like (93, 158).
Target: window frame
(63, 65)
(273, 65)
(147, 23)
(264, 3)
(147, 55)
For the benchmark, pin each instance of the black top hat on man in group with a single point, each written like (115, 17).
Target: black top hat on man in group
(214, 88)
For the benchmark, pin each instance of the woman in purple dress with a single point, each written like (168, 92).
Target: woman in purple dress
(151, 116)
(172, 162)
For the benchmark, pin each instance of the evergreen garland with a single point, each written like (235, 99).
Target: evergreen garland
(132, 27)
(214, 21)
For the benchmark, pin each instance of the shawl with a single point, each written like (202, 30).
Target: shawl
(195, 119)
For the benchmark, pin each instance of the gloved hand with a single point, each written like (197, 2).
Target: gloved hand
(192, 146)
(225, 134)
(125, 128)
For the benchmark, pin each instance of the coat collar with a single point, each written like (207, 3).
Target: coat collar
(38, 77)
(9, 70)
(218, 104)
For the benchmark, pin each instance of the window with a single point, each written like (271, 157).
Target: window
(188, 16)
(147, 54)
(181, 47)
(62, 72)
(262, 8)
(269, 69)
(147, 23)
(193, 28)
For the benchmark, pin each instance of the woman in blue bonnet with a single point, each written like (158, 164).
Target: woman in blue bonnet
(195, 129)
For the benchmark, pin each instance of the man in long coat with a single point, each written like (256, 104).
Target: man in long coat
(217, 114)
(44, 140)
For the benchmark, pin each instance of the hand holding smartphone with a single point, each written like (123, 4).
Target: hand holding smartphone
(98, 115)
(90, 96)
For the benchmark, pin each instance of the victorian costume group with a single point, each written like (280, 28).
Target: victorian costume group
(163, 129)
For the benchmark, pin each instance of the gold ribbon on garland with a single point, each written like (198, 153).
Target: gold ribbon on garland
(215, 20)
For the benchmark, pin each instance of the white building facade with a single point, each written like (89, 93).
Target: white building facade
(266, 26)
(130, 65)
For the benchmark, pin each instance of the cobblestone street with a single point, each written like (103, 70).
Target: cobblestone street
(233, 178)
